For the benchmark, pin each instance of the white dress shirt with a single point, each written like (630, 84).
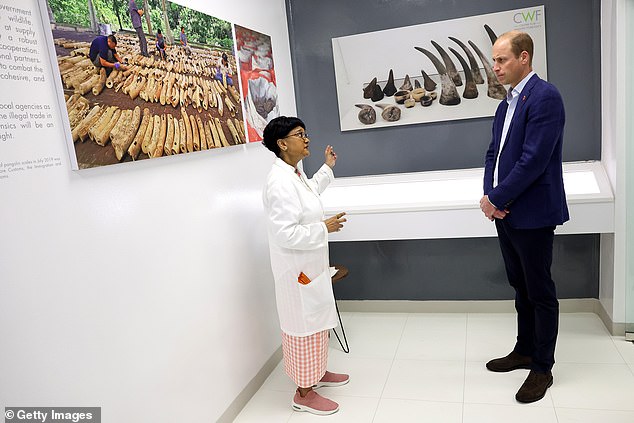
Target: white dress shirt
(511, 98)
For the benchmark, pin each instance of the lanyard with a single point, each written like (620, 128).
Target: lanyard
(297, 172)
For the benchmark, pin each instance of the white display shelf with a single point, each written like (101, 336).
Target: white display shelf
(445, 204)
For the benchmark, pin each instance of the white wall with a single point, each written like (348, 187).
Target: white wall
(142, 288)
(614, 49)
(629, 170)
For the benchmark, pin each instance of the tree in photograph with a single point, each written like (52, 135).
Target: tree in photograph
(73, 12)
(113, 12)
(93, 16)
(148, 20)
(117, 7)
(174, 11)
(51, 17)
(168, 31)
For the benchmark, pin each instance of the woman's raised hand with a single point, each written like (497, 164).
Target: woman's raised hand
(331, 157)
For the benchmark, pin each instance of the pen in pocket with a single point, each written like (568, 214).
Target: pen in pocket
(303, 279)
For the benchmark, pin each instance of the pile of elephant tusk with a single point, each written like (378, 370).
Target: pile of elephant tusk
(196, 101)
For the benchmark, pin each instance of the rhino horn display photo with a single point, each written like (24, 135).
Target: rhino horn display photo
(402, 76)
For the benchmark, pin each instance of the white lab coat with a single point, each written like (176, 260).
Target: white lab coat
(298, 242)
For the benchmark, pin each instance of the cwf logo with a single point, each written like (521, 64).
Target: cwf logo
(530, 16)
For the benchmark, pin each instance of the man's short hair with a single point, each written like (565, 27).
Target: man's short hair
(112, 38)
(521, 41)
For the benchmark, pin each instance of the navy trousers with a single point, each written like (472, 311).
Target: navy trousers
(528, 255)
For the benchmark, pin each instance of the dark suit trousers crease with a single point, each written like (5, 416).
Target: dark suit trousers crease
(528, 257)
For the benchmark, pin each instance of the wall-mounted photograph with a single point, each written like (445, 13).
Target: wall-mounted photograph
(255, 58)
(145, 79)
(431, 72)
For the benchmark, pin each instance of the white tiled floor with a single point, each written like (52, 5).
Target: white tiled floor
(430, 368)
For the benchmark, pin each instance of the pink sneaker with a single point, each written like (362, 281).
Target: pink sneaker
(314, 403)
(332, 379)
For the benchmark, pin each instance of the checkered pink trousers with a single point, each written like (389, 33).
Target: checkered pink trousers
(305, 357)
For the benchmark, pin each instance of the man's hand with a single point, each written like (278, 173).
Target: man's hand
(490, 211)
(120, 66)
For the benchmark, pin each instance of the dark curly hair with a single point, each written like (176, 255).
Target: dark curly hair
(277, 129)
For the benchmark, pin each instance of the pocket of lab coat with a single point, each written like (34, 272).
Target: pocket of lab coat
(317, 295)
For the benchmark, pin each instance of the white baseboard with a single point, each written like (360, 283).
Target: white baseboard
(615, 328)
(252, 387)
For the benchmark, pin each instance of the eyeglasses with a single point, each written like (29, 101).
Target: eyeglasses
(302, 135)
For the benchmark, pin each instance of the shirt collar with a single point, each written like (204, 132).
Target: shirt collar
(515, 91)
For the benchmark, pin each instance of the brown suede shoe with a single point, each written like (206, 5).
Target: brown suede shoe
(534, 387)
(513, 361)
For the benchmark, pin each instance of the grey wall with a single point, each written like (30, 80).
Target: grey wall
(573, 56)
(455, 269)
(458, 269)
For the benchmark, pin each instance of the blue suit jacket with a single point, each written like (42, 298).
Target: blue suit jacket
(530, 180)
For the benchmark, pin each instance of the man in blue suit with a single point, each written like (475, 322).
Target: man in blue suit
(524, 195)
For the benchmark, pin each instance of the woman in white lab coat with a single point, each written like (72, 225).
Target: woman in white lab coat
(298, 242)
